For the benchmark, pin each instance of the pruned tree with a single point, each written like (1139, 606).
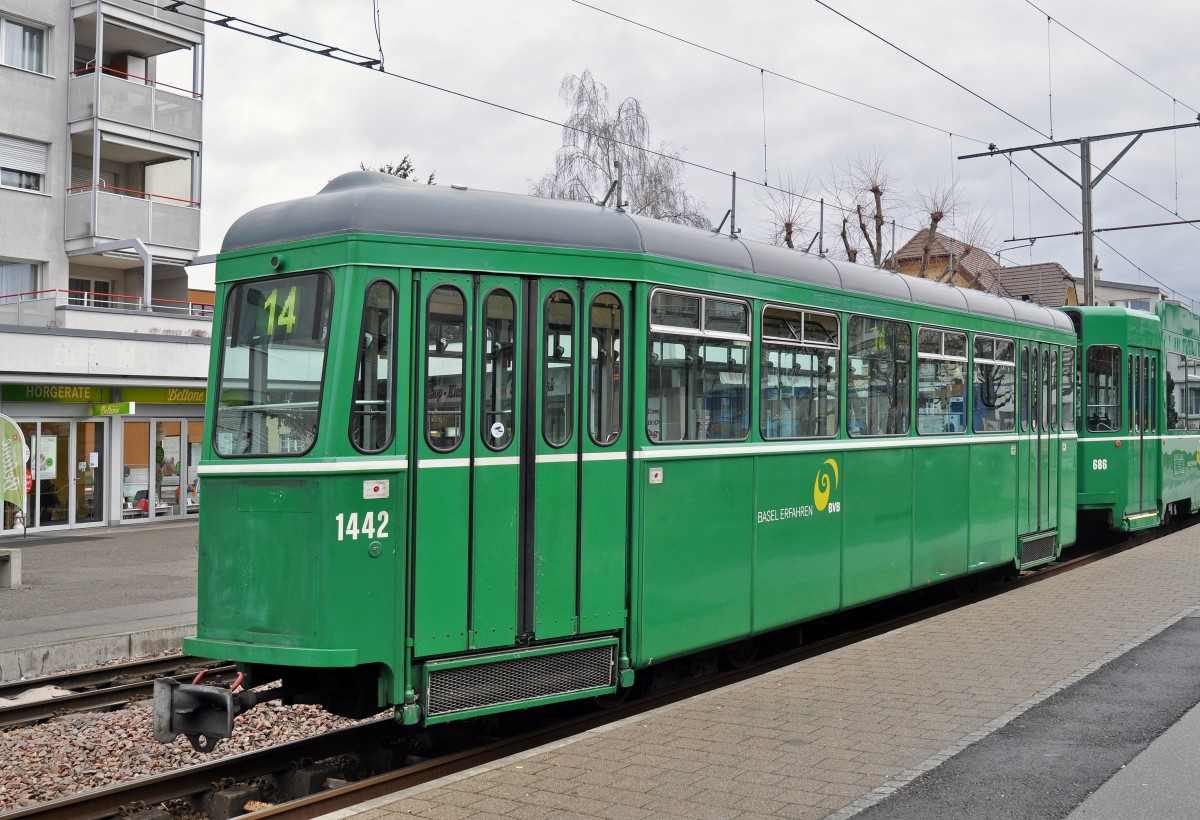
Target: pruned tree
(862, 193)
(789, 210)
(404, 169)
(595, 139)
(943, 204)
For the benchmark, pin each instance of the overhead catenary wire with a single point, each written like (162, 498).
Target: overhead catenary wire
(280, 37)
(776, 74)
(1097, 48)
(271, 34)
(1030, 180)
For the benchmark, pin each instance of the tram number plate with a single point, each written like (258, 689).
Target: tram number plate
(371, 525)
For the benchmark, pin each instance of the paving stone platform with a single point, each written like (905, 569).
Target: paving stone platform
(833, 735)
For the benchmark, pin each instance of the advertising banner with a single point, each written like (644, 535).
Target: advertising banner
(12, 463)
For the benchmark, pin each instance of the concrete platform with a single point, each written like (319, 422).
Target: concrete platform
(91, 595)
(841, 734)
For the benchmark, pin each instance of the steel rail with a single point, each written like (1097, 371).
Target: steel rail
(103, 803)
(90, 700)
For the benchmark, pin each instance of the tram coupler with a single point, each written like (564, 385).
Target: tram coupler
(202, 714)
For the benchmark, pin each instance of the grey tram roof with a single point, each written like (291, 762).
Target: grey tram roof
(373, 203)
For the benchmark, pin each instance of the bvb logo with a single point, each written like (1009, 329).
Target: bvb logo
(827, 472)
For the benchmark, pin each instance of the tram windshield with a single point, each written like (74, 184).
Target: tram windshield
(272, 359)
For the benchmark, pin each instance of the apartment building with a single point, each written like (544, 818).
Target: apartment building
(103, 348)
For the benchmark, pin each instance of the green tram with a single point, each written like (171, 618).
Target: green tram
(472, 452)
(1139, 438)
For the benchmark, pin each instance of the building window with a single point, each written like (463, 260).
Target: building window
(22, 164)
(17, 280)
(22, 45)
(89, 292)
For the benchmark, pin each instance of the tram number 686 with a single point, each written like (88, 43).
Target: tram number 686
(1099, 463)
(373, 525)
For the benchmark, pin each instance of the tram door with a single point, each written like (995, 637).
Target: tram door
(521, 468)
(1040, 454)
(1141, 376)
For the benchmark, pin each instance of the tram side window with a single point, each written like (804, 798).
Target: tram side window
(1068, 388)
(941, 381)
(498, 357)
(697, 386)
(1193, 394)
(1176, 392)
(995, 386)
(799, 380)
(877, 382)
(445, 326)
(558, 369)
(274, 345)
(605, 382)
(1103, 398)
(373, 408)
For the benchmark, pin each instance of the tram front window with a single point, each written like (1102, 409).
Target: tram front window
(272, 360)
(1103, 389)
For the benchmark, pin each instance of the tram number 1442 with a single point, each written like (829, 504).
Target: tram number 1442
(372, 525)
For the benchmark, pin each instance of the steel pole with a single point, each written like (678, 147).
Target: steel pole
(1089, 271)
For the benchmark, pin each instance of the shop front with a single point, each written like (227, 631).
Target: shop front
(103, 455)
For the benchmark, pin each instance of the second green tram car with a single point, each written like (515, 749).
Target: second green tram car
(473, 452)
(1139, 436)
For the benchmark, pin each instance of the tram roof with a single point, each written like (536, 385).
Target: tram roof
(374, 203)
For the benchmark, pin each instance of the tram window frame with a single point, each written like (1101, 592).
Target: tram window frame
(1068, 390)
(937, 363)
(502, 401)
(561, 434)
(1050, 377)
(694, 421)
(1152, 394)
(376, 345)
(1115, 367)
(823, 386)
(606, 382)
(439, 347)
(988, 387)
(1177, 409)
(893, 372)
(1023, 389)
(1193, 377)
(257, 431)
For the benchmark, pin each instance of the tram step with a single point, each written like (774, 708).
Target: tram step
(1037, 550)
(489, 683)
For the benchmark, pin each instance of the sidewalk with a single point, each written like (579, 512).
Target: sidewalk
(91, 595)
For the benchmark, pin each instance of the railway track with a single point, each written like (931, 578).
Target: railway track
(332, 793)
(107, 687)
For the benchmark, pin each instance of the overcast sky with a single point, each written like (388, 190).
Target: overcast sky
(279, 123)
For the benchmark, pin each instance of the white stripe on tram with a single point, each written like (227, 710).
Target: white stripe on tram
(301, 468)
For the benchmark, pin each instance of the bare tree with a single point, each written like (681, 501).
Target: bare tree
(789, 210)
(971, 231)
(404, 169)
(863, 192)
(594, 139)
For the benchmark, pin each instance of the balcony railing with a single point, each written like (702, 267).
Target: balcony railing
(122, 213)
(38, 308)
(136, 101)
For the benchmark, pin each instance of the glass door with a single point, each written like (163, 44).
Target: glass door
(88, 470)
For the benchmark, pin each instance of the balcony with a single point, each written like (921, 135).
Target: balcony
(85, 310)
(134, 101)
(189, 20)
(169, 227)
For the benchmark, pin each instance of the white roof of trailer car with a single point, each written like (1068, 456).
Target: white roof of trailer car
(374, 203)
